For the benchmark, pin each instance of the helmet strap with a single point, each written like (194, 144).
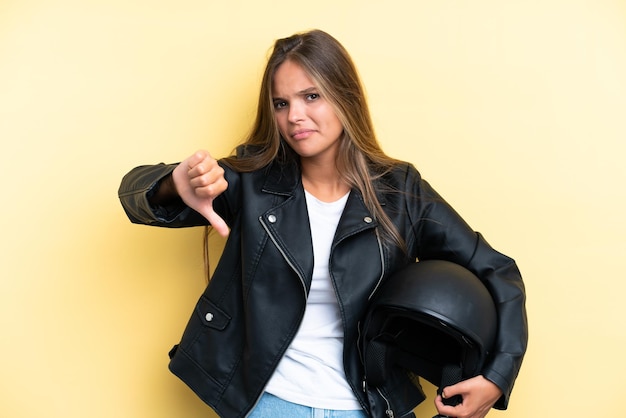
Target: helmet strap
(450, 375)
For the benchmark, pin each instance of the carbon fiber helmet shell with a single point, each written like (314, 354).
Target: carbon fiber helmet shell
(428, 315)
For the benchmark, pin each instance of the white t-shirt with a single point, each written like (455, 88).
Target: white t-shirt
(311, 372)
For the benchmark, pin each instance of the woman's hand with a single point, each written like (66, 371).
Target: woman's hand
(479, 396)
(198, 180)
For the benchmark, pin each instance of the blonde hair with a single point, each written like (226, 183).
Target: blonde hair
(360, 160)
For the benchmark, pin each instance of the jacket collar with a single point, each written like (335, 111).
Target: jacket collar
(283, 179)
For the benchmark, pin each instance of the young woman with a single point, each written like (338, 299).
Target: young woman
(317, 217)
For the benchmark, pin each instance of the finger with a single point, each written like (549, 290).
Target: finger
(445, 410)
(216, 221)
(200, 164)
(209, 190)
(453, 390)
(197, 158)
(213, 179)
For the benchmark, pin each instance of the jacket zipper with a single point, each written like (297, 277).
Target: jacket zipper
(388, 411)
(380, 279)
(303, 291)
(284, 256)
(382, 263)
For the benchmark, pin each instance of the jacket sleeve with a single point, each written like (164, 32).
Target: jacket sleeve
(441, 233)
(142, 182)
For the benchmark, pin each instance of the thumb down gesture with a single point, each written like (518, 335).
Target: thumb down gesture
(199, 180)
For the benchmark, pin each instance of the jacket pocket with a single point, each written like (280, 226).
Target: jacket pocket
(211, 343)
(210, 315)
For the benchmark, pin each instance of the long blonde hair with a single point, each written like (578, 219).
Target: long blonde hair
(360, 160)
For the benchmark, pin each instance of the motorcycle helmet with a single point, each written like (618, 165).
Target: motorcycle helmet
(433, 318)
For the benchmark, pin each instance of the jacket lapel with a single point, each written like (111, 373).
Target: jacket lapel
(355, 218)
(287, 221)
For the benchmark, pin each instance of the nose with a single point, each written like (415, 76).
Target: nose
(296, 112)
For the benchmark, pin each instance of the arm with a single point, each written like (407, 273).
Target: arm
(441, 233)
(175, 195)
(164, 193)
(136, 191)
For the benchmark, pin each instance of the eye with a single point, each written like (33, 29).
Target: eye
(280, 104)
(312, 96)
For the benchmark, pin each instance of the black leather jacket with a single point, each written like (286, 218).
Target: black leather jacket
(253, 305)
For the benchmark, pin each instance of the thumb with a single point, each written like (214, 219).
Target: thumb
(215, 220)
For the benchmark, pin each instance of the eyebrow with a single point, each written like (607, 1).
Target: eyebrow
(300, 93)
(307, 91)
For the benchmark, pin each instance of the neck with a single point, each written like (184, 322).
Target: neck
(324, 183)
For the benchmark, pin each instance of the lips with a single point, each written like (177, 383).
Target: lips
(302, 133)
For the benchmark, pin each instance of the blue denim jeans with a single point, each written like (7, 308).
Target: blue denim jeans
(269, 406)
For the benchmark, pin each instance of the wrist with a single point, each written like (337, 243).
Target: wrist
(164, 192)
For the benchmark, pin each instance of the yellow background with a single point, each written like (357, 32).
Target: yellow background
(514, 110)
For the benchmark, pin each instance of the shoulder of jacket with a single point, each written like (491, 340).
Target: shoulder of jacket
(401, 172)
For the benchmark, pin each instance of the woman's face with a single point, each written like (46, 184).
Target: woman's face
(305, 119)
